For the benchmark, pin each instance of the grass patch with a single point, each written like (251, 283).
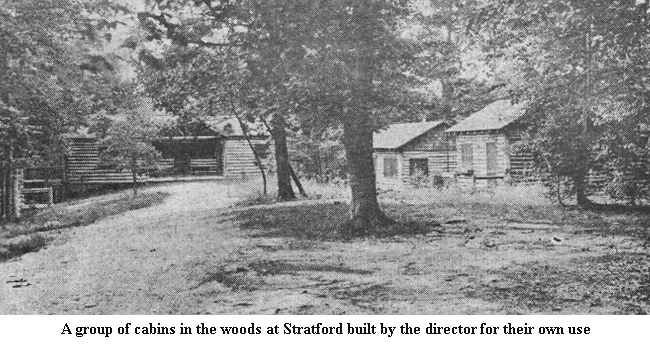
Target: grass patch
(255, 199)
(419, 211)
(20, 238)
(327, 221)
(22, 245)
(621, 280)
(250, 194)
(236, 280)
(275, 267)
(78, 216)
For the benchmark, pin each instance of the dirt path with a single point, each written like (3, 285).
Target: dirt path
(138, 262)
(194, 254)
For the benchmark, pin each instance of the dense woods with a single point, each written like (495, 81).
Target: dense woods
(322, 76)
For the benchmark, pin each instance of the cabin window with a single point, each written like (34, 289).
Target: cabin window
(419, 167)
(467, 157)
(491, 158)
(390, 167)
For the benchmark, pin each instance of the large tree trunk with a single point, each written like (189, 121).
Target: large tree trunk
(365, 213)
(580, 185)
(285, 192)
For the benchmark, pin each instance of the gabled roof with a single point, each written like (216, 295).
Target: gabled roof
(400, 134)
(495, 116)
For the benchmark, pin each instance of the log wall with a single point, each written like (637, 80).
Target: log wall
(82, 156)
(239, 159)
(441, 163)
(479, 154)
(383, 181)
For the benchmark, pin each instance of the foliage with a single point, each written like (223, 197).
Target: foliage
(26, 236)
(226, 59)
(582, 65)
(319, 155)
(129, 145)
(130, 140)
(50, 71)
(461, 80)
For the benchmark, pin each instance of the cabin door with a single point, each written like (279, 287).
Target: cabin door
(491, 158)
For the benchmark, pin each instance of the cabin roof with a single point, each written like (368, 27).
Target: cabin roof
(397, 135)
(229, 126)
(495, 116)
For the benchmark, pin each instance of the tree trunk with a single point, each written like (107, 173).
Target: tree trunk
(580, 172)
(244, 128)
(134, 165)
(580, 185)
(3, 193)
(9, 209)
(285, 192)
(9, 180)
(365, 213)
(318, 165)
(295, 179)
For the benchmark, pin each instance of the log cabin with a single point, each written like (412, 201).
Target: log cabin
(485, 144)
(413, 154)
(227, 154)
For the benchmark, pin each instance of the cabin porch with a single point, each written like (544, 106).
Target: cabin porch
(184, 156)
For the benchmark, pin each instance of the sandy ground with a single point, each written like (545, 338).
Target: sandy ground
(190, 256)
(138, 262)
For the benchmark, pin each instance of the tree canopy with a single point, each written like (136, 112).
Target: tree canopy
(583, 66)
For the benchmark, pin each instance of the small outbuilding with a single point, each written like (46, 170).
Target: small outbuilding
(408, 154)
(485, 143)
(227, 153)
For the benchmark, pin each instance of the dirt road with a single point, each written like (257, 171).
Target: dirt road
(139, 262)
(193, 254)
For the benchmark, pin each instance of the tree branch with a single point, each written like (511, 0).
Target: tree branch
(247, 137)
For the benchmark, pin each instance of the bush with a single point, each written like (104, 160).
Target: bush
(622, 188)
(19, 238)
(22, 245)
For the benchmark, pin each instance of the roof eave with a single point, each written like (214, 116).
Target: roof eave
(421, 134)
